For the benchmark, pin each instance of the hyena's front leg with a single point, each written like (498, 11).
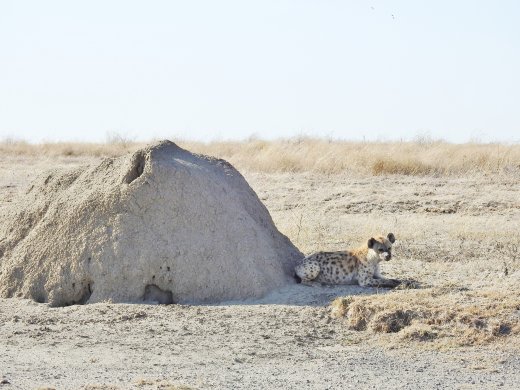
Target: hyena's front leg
(383, 282)
(366, 279)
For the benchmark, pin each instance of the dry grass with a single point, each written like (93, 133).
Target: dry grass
(421, 157)
(67, 149)
(406, 167)
(442, 316)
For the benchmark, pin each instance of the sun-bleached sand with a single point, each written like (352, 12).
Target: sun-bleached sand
(457, 237)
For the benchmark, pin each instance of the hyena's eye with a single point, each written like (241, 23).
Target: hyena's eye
(381, 249)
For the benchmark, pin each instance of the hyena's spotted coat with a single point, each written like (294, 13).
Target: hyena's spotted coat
(358, 266)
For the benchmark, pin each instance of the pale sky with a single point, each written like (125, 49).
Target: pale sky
(206, 70)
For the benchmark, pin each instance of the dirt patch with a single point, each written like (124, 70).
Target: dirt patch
(288, 339)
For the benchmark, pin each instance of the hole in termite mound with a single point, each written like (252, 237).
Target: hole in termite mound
(39, 297)
(136, 167)
(81, 298)
(153, 293)
(87, 292)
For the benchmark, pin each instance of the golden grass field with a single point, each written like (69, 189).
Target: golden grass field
(421, 157)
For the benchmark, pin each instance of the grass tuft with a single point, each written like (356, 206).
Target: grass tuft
(405, 167)
(460, 317)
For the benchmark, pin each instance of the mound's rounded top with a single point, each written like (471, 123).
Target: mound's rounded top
(169, 153)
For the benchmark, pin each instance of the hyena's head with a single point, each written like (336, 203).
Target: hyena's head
(381, 247)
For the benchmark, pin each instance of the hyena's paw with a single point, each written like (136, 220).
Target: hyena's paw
(409, 284)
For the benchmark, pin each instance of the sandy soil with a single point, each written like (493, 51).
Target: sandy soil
(452, 232)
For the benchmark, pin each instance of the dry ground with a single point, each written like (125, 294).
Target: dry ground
(458, 236)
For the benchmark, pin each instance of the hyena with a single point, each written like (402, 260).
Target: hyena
(357, 266)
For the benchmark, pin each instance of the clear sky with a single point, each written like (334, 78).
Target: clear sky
(206, 70)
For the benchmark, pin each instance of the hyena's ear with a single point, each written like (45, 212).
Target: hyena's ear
(371, 243)
(391, 237)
